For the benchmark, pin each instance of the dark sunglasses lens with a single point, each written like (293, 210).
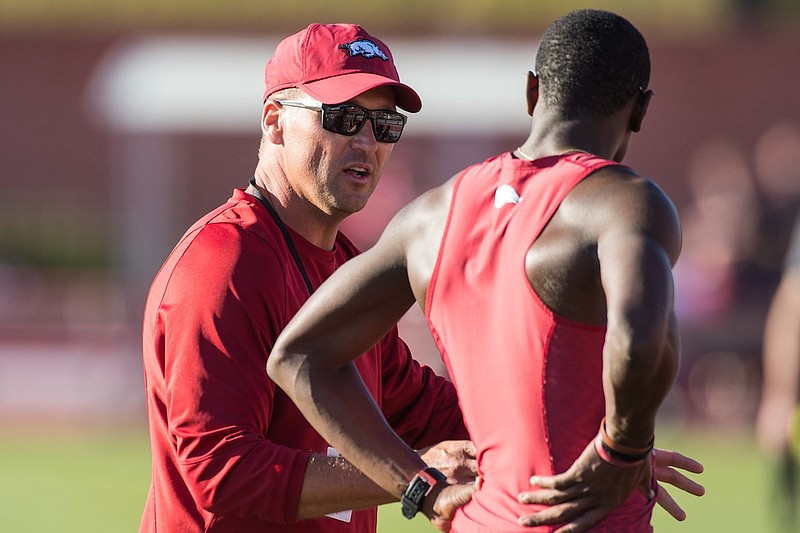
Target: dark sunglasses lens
(388, 126)
(345, 120)
(348, 120)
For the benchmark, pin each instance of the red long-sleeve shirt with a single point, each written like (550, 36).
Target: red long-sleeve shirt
(229, 449)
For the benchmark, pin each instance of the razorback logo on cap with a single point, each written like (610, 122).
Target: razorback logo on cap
(364, 47)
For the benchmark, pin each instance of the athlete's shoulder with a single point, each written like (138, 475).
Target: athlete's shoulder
(618, 183)
(620, 199)
(427, 208)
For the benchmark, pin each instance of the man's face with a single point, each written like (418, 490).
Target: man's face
(335, 173)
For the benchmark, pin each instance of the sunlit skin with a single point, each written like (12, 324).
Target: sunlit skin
(317, 178)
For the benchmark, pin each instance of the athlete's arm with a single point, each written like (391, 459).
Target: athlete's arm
(638, 240)
(312, 362)
(332, 484)
(636, 250)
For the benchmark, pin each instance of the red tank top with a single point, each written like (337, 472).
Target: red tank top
(529, 381)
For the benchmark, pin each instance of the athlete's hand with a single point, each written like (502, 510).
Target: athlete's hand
(666, 463)
(454, 458)
(583, 495)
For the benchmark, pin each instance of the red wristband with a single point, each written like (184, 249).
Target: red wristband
(609, 458)
(626, 451)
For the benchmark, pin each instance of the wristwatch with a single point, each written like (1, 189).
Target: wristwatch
(420, 486)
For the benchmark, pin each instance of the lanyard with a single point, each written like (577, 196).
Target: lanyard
(286, 236)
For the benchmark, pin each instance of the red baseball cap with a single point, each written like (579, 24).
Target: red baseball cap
(335, 63)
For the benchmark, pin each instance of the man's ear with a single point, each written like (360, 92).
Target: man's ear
(532, 92)
(640, 109)
(271, 125)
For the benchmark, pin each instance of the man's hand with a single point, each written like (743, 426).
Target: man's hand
(583, 495)
(454, 458)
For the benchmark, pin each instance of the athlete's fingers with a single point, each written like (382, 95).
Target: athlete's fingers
(441, 524)
(584, 522)
(547, 496)
(669, 504)
(559, 481)
(556, 514)
(680, 481)
(551, 496)
(666, 458)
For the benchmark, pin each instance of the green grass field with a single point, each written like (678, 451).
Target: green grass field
(96, 482)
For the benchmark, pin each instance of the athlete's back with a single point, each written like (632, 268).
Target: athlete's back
(506, 350)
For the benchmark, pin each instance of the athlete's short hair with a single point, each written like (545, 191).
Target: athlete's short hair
(591, 61)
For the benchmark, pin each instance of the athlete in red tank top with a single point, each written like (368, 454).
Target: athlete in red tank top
(511, 353)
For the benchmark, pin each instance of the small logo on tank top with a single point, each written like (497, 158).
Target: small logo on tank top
(505, 194)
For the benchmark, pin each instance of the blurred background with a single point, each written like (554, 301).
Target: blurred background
(121, 122)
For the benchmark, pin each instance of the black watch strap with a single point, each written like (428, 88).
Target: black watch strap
(420, 486)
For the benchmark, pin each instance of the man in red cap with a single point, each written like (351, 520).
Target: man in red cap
(230, 451)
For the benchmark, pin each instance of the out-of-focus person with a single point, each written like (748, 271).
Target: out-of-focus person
(778, 421)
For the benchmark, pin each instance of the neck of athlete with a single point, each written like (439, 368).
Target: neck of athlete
(551, 134)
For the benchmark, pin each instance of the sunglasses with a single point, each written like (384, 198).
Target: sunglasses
(348, 119)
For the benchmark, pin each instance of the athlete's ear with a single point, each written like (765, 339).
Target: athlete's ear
(532, 91)
(640, 109)
(271, 125)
